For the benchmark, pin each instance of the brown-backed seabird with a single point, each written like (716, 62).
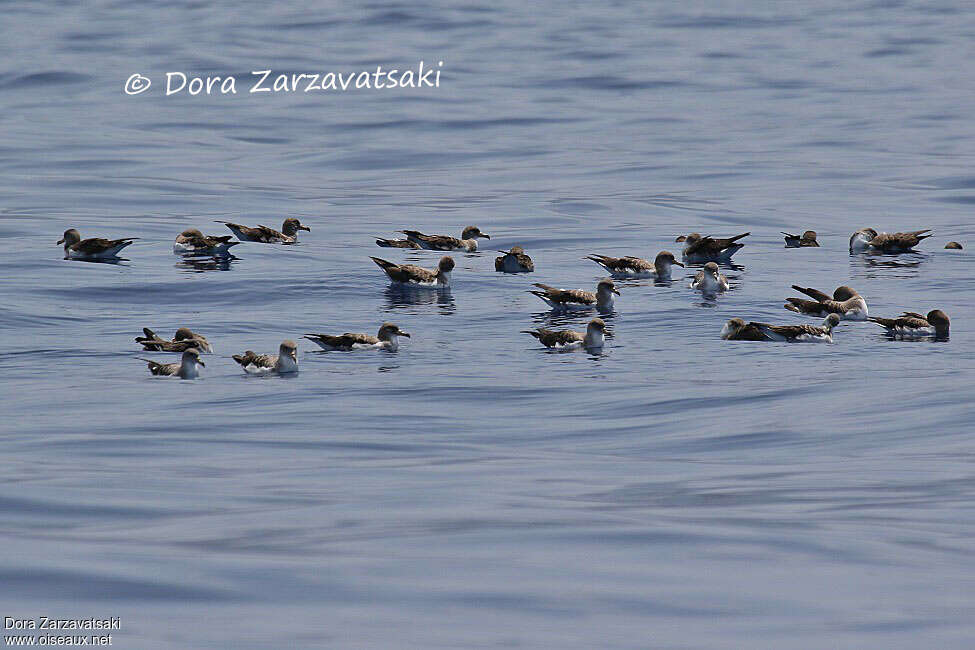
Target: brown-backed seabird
(737, 329)
(467, 241)
(282, 363)
(807, 238)
(265, 235)
(184, 339)
(912, 325)
(801, 333)
(898, 242)
(868, 239)
(192, 241)
(602, 299)
(515, 260)
(710, 279)
(386, 339)
(187, 368)
(953, 245)
(417, 276)
(845, 301)
(698, 249)
(636, 267)
(594, 337)
(94, 248)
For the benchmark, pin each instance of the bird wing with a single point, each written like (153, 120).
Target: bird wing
(567, 295)
(552, 338)
(251, 358)
(266, 234)
(98, 245)
(413, 273)
(813, 293)
(441, 242)
(804, 306)
(753, 332)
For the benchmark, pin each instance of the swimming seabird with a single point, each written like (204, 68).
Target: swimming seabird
(737, 329)
(953, 245)
(386, 339)
(184, 339)
(710, 279)
(913, 325)
(594, 338)
(636, 267)
(845, 301)
(94, 248)
(193, 241)
(515, 260)
(467, 241)
(807, 238)
(698, 249)
(187, 368)
(284, 362)
(417, 276)
(396, 243)
(602, 299)
(801, 333)
(868, 239)
(265, 235)
(898, 242)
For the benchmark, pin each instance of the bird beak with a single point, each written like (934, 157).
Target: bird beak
(294, 355)
(60, 241)
(616, 291)
(485, 236)
(681, 238)
(402, 333)
(201, 363)
(300, 227)
(680, 264)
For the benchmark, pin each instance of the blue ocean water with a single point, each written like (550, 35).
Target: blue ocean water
(473, 489)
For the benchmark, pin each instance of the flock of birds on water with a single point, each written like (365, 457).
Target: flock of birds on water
(844, 304)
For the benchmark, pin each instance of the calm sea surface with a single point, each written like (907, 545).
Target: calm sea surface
(474, 489)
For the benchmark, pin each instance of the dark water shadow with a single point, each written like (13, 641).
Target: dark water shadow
(117, 261)
(399, 296)
(199, 264)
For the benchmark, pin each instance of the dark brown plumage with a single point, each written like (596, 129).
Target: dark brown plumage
(185, 369)
(806, 239)
(192, 240)
(912, 324)
(184, 339)
(396, 243)
(386, 337)
(92, 248)
(265, 235)
(845, 301)
(412, 274)
(467, 241)
(795, 333)
(699, 249)
(898, 242)
(737, 329)
(514, 261)
(592, 338)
